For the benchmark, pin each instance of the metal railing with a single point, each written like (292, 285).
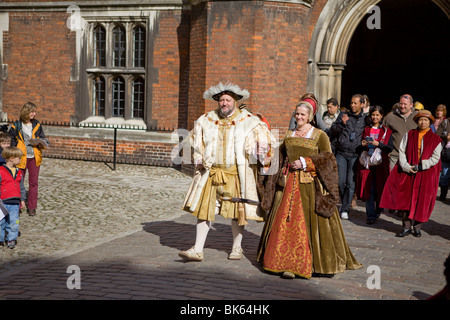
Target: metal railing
(111, 126)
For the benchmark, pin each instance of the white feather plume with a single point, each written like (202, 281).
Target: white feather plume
(213, 90)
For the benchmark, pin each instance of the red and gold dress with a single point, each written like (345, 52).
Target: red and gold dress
(295, 238)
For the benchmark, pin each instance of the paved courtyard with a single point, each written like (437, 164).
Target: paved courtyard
(122, 229)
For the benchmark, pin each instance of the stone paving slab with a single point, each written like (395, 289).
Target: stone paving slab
(82, 204)
(124, 228)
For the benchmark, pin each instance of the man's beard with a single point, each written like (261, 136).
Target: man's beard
(226, 113)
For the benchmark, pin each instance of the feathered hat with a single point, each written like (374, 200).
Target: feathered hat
(215, 92)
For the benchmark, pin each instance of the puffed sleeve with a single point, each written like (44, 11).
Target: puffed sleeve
(260, 135)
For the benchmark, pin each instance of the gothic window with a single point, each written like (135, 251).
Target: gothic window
(118, 97)
(116, 68)
(138, 98)
(98, 96)
(139, 47)
(99, 46)
(119, 46)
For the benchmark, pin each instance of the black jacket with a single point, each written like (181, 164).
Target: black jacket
(348, 135)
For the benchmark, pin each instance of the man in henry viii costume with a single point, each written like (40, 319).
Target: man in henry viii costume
(230, 146)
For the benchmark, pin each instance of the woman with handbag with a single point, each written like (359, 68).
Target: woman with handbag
(373, 168)
(303, 234)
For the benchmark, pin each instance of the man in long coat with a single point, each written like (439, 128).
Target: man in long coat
(228, 143)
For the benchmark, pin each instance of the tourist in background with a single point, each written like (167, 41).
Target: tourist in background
(413, 182)
(400, 121)
(21, 132)
(349, 128)
(443, 131)
(370, 180)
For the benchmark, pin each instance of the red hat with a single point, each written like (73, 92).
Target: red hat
(312, 103)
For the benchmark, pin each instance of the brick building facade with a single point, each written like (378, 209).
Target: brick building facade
(142, 66)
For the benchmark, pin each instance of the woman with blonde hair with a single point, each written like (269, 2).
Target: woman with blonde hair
(21, 132)
(303, 234)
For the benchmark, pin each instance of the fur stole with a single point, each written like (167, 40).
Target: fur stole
(326, 184)
(267, 185)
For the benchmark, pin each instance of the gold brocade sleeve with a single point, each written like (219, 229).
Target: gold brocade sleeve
(310, 166)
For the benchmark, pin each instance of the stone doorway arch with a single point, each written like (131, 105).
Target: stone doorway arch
(330, 41)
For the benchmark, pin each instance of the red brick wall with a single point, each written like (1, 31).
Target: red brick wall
(171, 58)
(261, 46)
(40, 52)
(280, 61)
(197, 65)
(148, 153)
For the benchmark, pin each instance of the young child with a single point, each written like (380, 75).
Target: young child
(5, 141)
(12, 193)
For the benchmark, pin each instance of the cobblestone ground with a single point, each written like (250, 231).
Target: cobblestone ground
(82, 204)
(124, 229)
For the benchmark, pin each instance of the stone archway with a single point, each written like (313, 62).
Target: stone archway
(330, 41)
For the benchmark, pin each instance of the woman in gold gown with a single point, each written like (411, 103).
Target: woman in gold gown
(303, 234)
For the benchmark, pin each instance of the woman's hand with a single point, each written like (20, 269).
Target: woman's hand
(297, 165)
(375, 143)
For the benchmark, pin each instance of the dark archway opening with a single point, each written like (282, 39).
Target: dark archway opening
(409, 54)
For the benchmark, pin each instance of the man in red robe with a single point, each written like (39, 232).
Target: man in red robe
(413, 182)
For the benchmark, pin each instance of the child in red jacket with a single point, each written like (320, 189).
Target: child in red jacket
(12, 193)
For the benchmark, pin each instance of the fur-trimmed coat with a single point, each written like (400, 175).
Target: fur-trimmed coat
(246, 131)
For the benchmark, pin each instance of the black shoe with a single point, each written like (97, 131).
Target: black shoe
(404, 233)
(370, 221)
(444, 191)
(323, 275)
(417, 233)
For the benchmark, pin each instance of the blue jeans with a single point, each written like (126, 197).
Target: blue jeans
(347, 173)
(10, 223)
(445, 174)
